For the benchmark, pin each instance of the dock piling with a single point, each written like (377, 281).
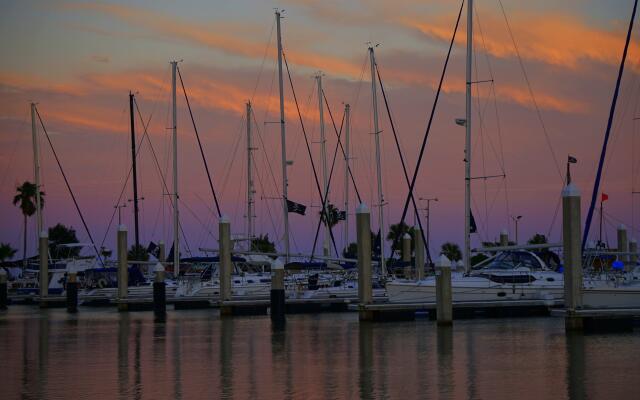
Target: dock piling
(159, 293)
(633, 249)
(162, 257)
(224, 234)
(504, 238)
(277, 292)
(623, 245)
(406, 254)
(123, 270)
(572, 249)
(419, 252)
(363, 231)
(3, 289)
(43, 246)
(444, 305)
(72, 292)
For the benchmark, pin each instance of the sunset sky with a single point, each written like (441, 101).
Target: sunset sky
(79, 60)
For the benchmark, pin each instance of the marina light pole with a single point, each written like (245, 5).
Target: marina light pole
(283, 142)
(174, 128)
(347, 127)
(376, 132)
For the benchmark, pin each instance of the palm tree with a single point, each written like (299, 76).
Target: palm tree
(452, 251)
(396, 232)
(6, 252)
(25, 199)
(333, 216)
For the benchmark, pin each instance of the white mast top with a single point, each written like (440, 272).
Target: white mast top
(383, 269)
(467, 147)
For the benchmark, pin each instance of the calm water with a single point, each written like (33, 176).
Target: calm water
(105, 355)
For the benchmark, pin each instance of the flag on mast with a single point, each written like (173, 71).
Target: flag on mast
(605, 197)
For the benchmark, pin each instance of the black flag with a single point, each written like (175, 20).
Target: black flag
(296, 207)
(342, 215)
(473, 228)
(153, 249)
(572, 160)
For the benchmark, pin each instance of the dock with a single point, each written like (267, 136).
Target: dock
(599, 319)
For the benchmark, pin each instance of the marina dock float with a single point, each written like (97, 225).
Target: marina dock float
(599, 319)
(466, 309)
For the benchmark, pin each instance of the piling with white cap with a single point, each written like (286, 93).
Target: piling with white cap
(162, 257)
(277, 291)
(4, 300)
(363, 232)
(72, 292)
(224, 229)
(406, 254)
(444, 306)
(633, 249)
(43, 246)
(623, 244)
(504, 238)
(572, 249)
(419, 252)
(123, 268)
(159, 293)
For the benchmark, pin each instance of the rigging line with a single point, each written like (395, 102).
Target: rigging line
(533, 98)
(306, 140)
(157, 164)
(204, 159)
(264, 147)
(326, 194)
(433, 110)
(339, 135)
(66, 181)
(596, 186)
(264, 58)
(404, 170)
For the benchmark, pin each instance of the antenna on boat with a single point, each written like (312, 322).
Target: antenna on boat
(467, 147)
(36, 167)
(174, 129)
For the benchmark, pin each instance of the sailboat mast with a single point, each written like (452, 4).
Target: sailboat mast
(283, 143)
(383, 269)
(174, 128)
(323, 156)
(467, 143)
(347, 127)
(134, 171)
(36, 168)
(250, 190)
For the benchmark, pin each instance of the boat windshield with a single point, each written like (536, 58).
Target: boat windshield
(514, 259)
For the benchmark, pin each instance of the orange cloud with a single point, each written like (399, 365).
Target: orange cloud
(554, 39)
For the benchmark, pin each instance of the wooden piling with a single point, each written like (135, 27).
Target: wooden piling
(159, 293)
(572, 249)
(419, 252)
(504, 238)
(123, 268)
(277, 292)
(43, 246)
(406, 254)
(444, 305)
(72, 292)
(363, 231)
(633, 258)
(623, 245)
(4, 300)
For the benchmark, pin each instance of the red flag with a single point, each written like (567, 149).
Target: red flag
(605, 197)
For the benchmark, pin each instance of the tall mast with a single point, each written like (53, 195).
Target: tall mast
(467, 143)
(323, 156)
(174, 128)
(283, 143)
(250, 190)
(36, 168)
(135, 174)
(347, 127)
(383, 269)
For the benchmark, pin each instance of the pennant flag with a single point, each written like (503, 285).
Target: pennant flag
(473, 227)
(342, 215)
(605, 197)
(572, 160)
(296, 207)
(153, 249)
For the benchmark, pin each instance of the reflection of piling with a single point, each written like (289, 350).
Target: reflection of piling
(571, 235)
(444, 307)
(623, 245)
(504, 238)
(159, 293)
(363, 231)
(3, 289)
(43, 245)
(406, 254)
(123, 268)
(419, 250)
(633, 258)
(277, 291)
(72, 292)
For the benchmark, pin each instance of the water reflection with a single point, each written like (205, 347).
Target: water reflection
(104, 354)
